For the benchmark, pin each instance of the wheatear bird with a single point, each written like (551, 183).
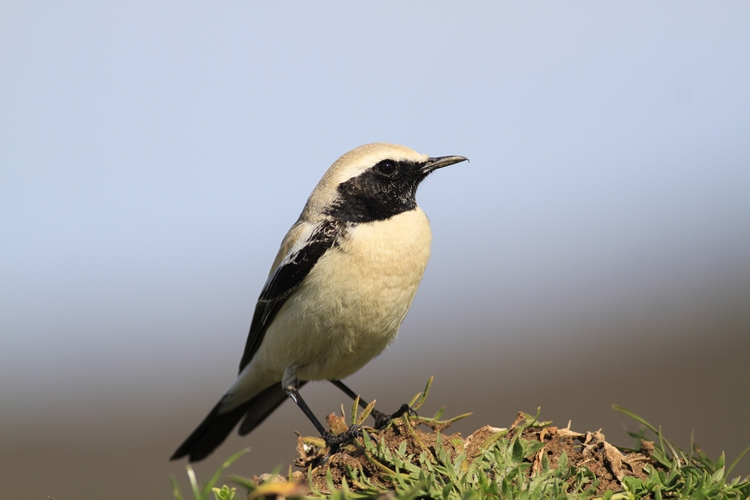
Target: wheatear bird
(341, 285)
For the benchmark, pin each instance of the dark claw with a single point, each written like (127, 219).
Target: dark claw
(336, 440)
(405, 408)
(383, 419)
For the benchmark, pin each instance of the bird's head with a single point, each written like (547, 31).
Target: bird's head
(372, 182)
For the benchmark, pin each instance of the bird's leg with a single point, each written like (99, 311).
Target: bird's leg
(381, 419)
(333, 441)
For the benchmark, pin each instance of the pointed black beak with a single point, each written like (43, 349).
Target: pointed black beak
(440, 162)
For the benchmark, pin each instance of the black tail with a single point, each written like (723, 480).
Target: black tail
(216, 426)
(263, 405)
(210, 433)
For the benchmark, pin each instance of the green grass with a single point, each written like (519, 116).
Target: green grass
(509, 464)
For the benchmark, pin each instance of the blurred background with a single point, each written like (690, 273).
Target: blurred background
(595, 251)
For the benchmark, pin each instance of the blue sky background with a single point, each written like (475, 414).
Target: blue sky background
(153, 154)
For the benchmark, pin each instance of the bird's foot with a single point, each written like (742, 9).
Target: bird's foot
(334, 441)
(383, 419)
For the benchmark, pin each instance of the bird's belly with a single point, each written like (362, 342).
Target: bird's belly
(352, 303)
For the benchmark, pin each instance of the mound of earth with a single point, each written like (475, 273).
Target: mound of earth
(413, 436)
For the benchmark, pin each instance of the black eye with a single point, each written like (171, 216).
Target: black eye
(387, 167)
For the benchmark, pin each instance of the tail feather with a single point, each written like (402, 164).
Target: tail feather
(216, 426)
(263, 405)
(210, 433)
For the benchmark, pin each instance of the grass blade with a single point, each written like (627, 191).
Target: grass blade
(636, 417)
(355, 407)
(175, 488)
(194, 483)
(736, 461)
(220, 471)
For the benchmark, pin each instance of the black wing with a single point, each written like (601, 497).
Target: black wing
(280, 285)
(285, 280)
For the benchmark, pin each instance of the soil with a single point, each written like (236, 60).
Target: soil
(590, 449)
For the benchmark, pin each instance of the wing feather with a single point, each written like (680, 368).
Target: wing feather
(300, 251)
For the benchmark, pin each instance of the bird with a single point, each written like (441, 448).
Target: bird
(341, 284)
